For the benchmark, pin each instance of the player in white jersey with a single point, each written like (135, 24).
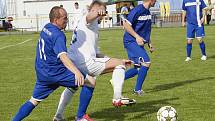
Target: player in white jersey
(86, 56)
(77, 15)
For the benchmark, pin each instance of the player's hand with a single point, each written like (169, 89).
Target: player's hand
(183, 24)
(202, 21)
(140, 41)
(79, 79)
(101, 12)
(151, 49)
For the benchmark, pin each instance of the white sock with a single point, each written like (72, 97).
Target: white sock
(118, 80)
(64, 100)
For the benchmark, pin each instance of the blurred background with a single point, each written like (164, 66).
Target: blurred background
(32, 15)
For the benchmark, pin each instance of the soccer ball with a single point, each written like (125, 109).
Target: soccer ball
(167, 113)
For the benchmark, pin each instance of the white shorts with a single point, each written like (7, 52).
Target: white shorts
(94, 66)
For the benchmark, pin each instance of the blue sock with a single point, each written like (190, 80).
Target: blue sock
(24, 111)
(141, 77)
(131, 73)
(202, 46)
(85, 97)
(189, 49)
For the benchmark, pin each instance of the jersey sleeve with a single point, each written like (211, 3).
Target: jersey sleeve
(183, 6)
(203, 5)
(84, 21)
(132, 16)
(60, 45)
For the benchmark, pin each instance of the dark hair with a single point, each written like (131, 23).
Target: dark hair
(55, 13)
(97, 2)
(76, 3)
(132, 3)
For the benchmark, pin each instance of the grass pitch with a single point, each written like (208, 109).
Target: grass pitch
(187, 86)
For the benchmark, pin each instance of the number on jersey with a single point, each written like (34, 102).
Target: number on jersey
(42, 49)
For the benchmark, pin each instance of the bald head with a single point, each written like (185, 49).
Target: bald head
(56, 12)
(58, 17)
(150, 3)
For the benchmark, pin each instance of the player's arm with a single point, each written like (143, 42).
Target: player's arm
(70, 66)
(61, 50)
(183, 18)
(130, 30)
(151, 47)
(184, 8)
(204, 11)
(203, 6)
(93, 15)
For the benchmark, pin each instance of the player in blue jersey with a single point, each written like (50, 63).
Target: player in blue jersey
(53, 66)
(195, 14)
(137, 34)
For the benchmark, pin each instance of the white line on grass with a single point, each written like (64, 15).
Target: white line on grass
(15, 44)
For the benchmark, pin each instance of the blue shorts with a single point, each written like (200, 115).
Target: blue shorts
(194, 31)
(136, 53)
(44, 88)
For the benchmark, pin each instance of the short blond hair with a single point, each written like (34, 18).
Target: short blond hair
(97, 2)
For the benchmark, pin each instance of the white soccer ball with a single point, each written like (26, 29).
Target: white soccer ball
(167, 113)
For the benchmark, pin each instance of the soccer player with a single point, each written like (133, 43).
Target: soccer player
(84, 53)
(53, 67)
(77, 15)
(195, 14)
(137, 34)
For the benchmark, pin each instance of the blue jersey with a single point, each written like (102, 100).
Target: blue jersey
(193, 10)
(51, 44)
(140, 20)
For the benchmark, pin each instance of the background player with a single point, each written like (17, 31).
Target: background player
(85, 55)
(53, 66)
(77, 15)
(195, 14)
(137, 34)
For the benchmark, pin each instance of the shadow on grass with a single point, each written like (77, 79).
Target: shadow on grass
(119, 114)
(176, 84)
(211, 57)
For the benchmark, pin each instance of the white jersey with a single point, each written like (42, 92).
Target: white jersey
(77, 15)
(84, 47)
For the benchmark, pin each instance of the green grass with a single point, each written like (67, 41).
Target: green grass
(188, 87)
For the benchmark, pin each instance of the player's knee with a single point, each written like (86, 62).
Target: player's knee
(91, 81)
(146, 64)
(34, 102)
(120, 67)
(200, 40)
(189, 41)
(72, 89)
(90, 85)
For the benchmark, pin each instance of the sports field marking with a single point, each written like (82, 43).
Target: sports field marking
(15, 44)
